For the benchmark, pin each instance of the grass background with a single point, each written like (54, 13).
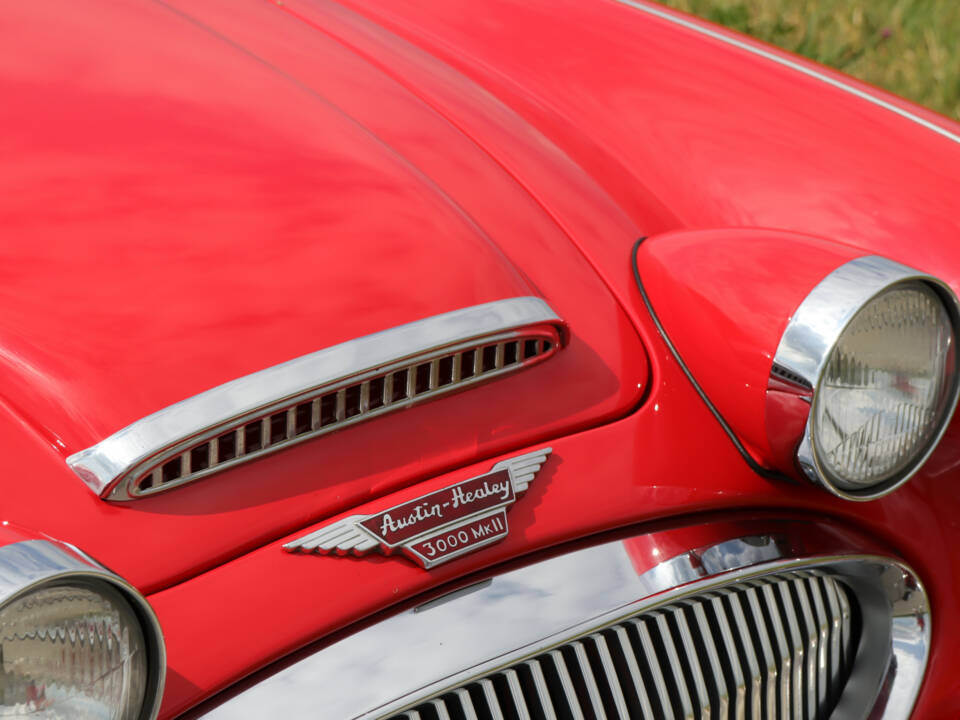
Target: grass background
(909, 47)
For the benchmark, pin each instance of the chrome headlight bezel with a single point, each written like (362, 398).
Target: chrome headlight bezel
(809, 341)
(30, 565)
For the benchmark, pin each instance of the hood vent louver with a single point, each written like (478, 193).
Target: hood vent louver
(319, 393)
(336, 409)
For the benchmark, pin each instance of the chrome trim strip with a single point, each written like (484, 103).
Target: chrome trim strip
(805, 348)
(792, 64)
(113, 459)
(27, 565)
(527, 613)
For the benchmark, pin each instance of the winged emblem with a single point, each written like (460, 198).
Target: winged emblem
(436, 527)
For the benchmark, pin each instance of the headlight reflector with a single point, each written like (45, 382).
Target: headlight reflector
(71, 650)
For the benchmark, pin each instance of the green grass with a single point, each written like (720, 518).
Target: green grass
(909, 47)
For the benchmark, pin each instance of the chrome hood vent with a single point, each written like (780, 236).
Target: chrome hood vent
(317, 394)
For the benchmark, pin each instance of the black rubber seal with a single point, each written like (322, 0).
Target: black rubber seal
(748, 458)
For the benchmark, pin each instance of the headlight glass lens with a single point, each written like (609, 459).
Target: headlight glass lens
(71, 651)
(885, 390)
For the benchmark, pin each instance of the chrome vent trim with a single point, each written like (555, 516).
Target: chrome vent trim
(319, 393)
(334, 407)
(777, 646)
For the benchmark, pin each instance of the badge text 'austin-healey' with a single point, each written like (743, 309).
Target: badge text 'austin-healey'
(436, 527)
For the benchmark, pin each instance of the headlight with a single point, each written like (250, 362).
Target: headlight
(884, 391)
(875, 343)
(75, 640)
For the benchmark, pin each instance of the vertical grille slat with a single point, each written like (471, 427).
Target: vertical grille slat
(566, 683)
(653, 668)
(716, 683)
(779, 647)
(516, 694)
(441, 709)
(586, 673)
(823, 640)
(836, 659)
(745, 650)
(795, 642)
(811, 637)
(610, 672)
(765, 654)
(540, 683)
(690, 661)
(493, 704)
(633, 670)
(726, 648)
(846, 640)
(466, 704)
(676, 675)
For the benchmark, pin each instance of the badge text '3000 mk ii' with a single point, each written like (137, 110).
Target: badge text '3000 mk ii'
(436, 527)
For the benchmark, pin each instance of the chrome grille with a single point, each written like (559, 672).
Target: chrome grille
(345, 403)
(779, 647)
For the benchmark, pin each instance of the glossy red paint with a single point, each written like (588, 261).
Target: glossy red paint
(12, 533)
(198, 190)
(232, 217)
(724, 300)
(241, 231)
(678, 129)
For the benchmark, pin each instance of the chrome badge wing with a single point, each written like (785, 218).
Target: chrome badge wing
(436, 527)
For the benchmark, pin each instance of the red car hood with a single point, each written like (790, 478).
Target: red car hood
(193, 194)
(179, 211)
(165, 240)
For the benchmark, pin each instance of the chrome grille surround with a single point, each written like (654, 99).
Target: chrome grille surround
(319, 393)
(502, 639)
(777, 646)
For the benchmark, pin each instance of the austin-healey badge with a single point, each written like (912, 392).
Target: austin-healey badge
(436, 527)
